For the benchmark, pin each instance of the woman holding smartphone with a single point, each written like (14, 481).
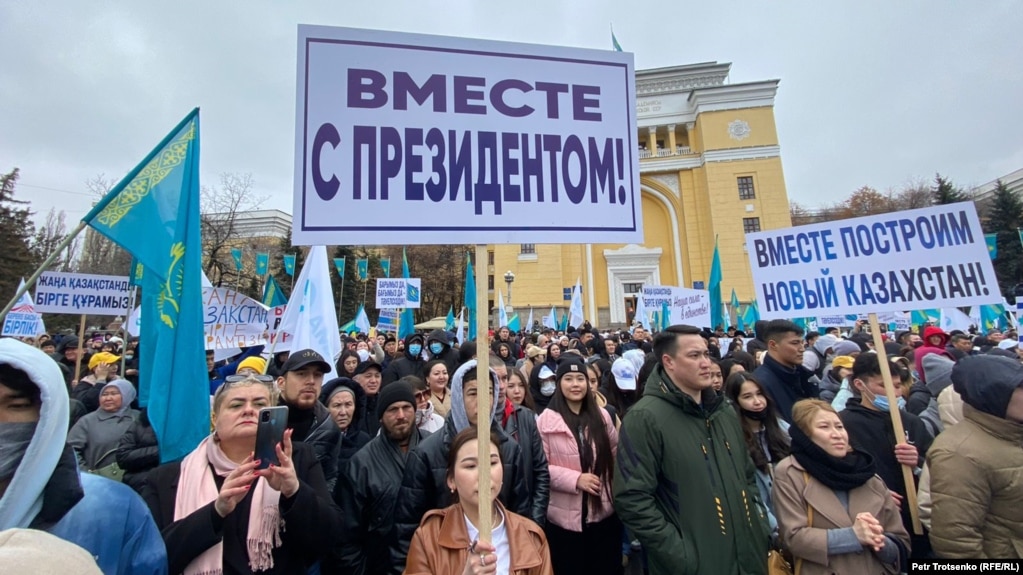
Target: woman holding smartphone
(220, 512)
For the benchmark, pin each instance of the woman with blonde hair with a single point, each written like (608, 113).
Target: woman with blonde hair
(834, 513)
(219, 512)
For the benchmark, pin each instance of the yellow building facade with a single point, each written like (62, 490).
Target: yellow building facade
(710, 167)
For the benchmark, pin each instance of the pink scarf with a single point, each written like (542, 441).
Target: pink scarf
(196, 489)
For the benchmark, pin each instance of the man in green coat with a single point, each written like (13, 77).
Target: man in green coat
(684, 482)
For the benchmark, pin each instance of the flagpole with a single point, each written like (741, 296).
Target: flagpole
(57, 250)
(340, 298)
(483, 405)
(78, 360)
(293, 275)
(131, 308)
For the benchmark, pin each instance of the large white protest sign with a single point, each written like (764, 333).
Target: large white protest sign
(22, 320)
(233, 320)
(902, 261)
(58, 292)
(230, 320)
(685, 305)
(395, 293)
(437, 140)
(275, 318)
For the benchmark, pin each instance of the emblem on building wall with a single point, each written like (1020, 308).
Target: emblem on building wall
(738, 130)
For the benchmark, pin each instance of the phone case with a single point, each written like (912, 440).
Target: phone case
(270, 431)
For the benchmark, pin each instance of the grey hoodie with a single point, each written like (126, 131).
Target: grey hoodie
(458, 416)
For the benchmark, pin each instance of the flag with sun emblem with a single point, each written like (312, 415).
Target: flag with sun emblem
(153, 213)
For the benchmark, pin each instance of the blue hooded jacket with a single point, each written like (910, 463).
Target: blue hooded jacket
(47, 492)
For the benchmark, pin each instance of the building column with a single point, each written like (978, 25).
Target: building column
(690, 126)
(671, 138)
(652, 141)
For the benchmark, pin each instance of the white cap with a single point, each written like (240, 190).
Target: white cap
(637, 357)
(1008, 344)
(625, 374)
(546, 373)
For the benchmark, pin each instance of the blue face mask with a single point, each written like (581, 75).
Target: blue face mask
(415, 349)
(436, 347)
(881, 403)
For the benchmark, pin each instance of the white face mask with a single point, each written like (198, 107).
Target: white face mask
(547, 387)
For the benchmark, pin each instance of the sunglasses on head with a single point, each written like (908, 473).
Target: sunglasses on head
(237, 378)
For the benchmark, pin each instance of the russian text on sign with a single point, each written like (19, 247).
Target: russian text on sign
(917, 259)
(435, 140)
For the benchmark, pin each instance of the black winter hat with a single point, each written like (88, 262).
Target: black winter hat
(393, 393)
(568, 364)
(987, 382)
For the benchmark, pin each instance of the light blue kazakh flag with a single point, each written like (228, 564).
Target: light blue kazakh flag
(236, 255)
(470, 297)
(262, 263)
(339, 265)
(153, 213)
(407, 322)
(449, 322)
(665, 316)
(385, 264)
(992, 245)
(273, 296)
(714, 285)
(137, 271)
(614, 41)
(734, 303)
(992, 317)
(289, 264)
(514, 323)
(362, 266)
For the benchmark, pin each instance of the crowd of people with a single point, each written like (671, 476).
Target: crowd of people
(682, 451)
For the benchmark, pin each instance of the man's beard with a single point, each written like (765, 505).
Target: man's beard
(397, 435)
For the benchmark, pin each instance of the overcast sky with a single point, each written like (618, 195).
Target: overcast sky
(872, 92)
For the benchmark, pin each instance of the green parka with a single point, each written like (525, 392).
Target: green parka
(685, 485)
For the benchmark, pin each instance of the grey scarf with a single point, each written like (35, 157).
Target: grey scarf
(14, 440)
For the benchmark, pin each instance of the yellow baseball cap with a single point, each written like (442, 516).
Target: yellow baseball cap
(102, 357)
(845, 361)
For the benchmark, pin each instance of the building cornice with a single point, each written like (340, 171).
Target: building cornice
(676, 163)
(677, 79)
(734, 96)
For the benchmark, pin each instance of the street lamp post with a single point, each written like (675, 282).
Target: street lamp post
(509, 277)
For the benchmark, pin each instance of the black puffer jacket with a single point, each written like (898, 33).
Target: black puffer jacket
(406, 364)
(366, 491)
(325, 438)
(521, 426)
(138, 452)
(424, 483)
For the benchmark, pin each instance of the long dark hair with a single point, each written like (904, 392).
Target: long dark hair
(340, 365)
(527, 399)
(777, 440)
(589, 423)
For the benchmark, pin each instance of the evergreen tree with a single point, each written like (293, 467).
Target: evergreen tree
(16, 232)
(945, 192)
(1005, 217)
